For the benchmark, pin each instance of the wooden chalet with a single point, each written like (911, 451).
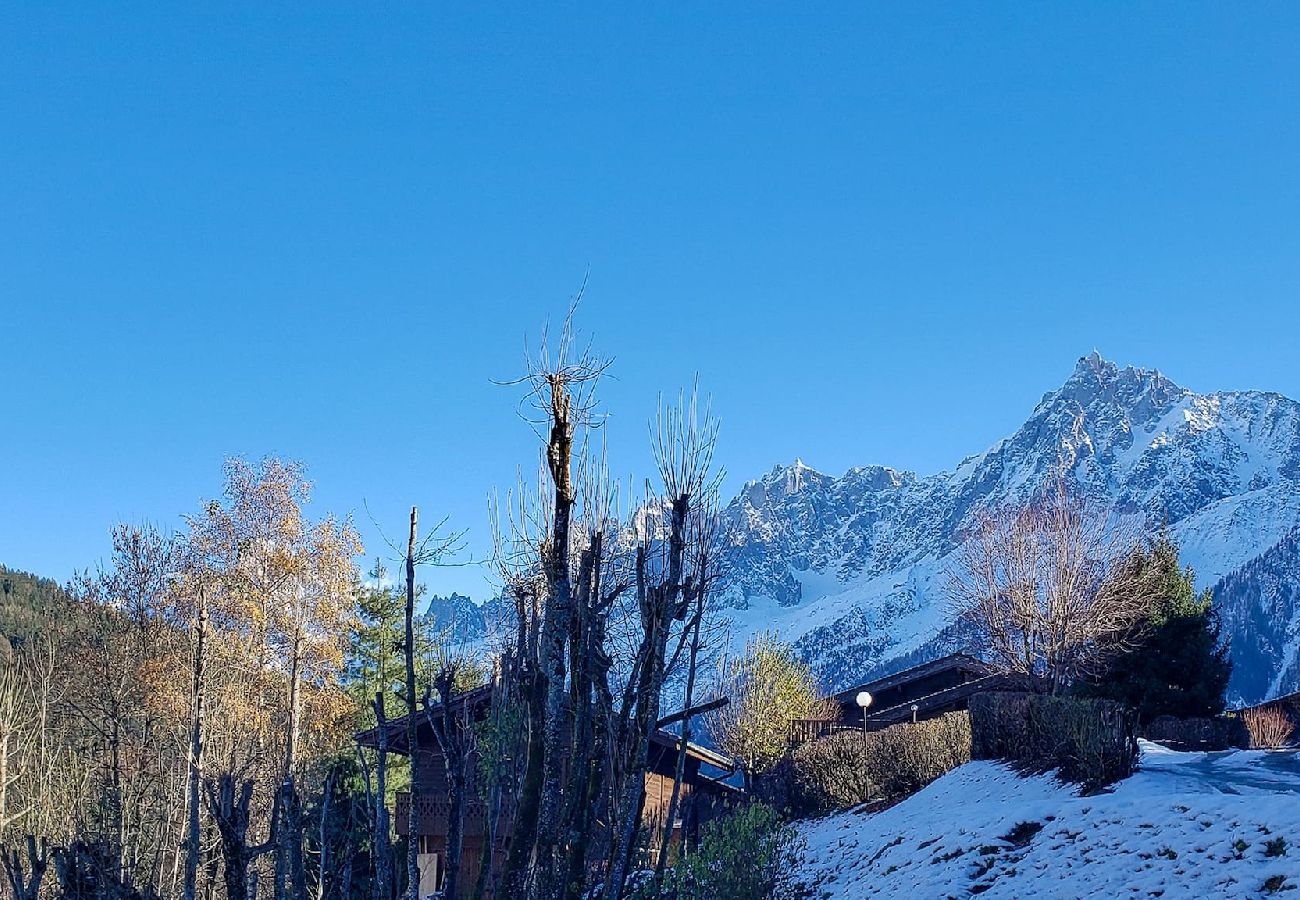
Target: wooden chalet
(921, 692)
(703, 795)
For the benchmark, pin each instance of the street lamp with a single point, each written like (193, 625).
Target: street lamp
(864, 700)
(914, 709)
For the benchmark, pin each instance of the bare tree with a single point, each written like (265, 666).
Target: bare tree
(228, 805)
(1051, 585)
(25, 881)
(455, 736)
(683, 439)
(382, 849)
(412, 727)
(602, 613)
(704, 578)
(433, 549)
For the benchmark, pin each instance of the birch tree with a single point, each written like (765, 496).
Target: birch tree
(1051, 585)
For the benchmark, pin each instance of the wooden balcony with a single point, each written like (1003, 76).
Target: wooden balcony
(434, 813)
(804, 730)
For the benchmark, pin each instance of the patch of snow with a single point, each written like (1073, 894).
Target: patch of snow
(1185, 825)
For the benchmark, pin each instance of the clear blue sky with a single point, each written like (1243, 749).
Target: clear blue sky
(878, 233)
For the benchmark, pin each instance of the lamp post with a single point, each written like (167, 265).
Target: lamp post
(914, 708)
(864, 700)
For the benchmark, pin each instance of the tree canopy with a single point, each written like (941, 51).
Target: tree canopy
(1178, 665)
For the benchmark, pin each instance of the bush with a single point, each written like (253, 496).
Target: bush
(749, 853)
(1269, 727)
(1090, 742)
(850, 767)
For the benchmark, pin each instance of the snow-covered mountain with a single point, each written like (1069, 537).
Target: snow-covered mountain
(853, 568)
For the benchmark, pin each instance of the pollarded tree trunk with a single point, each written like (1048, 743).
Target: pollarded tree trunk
(26, 881)
(453, 742)
(680, 767)
(515, 875)
(228, 807)
(555, 632)
(659, 607)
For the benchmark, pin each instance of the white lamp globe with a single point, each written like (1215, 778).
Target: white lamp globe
(864, 699)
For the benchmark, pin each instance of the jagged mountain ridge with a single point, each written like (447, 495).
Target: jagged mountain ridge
(852, 568)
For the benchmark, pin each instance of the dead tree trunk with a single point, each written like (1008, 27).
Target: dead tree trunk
(412, 731)
(382, 848)
(192, 848)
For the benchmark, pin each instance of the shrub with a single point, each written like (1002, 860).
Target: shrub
(1198, 733)
(749, 853)
(1090, 742)
(850, 767)
(1269, 727)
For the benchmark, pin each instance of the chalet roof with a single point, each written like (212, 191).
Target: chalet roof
(1289, 700)
(950, 698)
(957, 661)
(478, 698)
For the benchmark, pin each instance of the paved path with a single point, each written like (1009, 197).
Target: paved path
(1229, 772)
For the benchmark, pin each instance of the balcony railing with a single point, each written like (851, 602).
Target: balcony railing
(804, 730)
(435, 812)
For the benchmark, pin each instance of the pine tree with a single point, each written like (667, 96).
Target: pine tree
(374, 661)
(1178, 665)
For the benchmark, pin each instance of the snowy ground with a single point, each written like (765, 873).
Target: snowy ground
(1204, 825)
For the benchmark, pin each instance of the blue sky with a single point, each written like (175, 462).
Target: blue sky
(878, 233)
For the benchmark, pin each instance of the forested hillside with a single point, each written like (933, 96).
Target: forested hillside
(28, 606)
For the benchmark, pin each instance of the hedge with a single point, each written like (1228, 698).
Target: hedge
(850, 767)
(1201, 733)
(1090, 742)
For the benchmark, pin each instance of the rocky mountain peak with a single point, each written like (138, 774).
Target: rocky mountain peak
(853, 567)
(1106, 390)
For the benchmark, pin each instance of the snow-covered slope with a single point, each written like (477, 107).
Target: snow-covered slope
(853, 568)
(1186, 825)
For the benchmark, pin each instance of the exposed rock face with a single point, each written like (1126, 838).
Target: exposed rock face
(853, 568)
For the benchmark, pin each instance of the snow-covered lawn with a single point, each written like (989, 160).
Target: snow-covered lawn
(1204, 825)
